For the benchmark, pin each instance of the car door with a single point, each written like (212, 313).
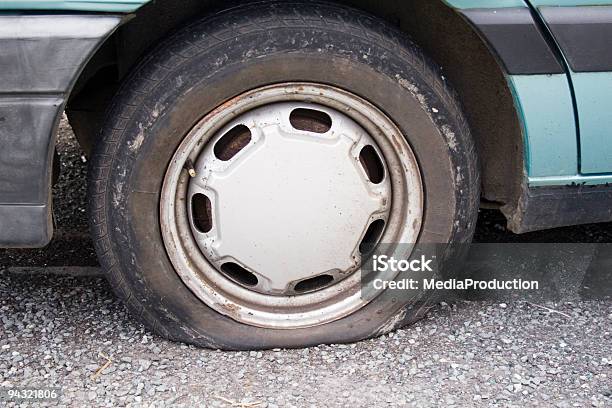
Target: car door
(582, 30)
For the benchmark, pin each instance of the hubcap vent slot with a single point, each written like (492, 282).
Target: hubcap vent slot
(371, 237)
(310, 120)
(201, 210)
(236, 139)
(239, 274)
(372, 164)
(315, 283)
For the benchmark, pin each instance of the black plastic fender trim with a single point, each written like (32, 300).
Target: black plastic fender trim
(584, 34)
(514, 36)
(560, 206)
(41, 58)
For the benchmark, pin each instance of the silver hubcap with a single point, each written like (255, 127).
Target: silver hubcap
(280, 199)
(270, 200)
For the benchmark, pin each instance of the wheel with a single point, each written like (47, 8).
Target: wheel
(248, 163)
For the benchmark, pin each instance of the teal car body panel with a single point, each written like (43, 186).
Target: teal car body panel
(108, 6)
(551, 130)
(566, 118)
(466, 4)
(569, 3)
(483, 4)
(593, 91)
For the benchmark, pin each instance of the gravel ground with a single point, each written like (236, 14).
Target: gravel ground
(59, 330)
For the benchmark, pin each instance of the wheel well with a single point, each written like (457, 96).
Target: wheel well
(446, 37)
